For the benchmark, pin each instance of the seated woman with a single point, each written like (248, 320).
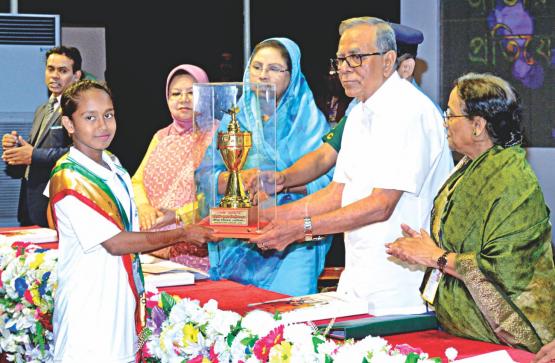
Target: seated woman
(165, 179)
(490, 230)
(299, 128)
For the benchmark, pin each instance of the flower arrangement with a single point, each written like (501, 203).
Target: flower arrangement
(181, 330)
(27, 286)
(184, 331)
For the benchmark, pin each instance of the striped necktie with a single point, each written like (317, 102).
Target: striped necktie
(47, 116)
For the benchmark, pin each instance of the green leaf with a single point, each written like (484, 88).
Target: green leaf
(328, 359)
(412, 358)
(168, 302)
(249, 341)
(233, 333)
(369, 356)
(40, 336)
(277, 316)
(316, 342)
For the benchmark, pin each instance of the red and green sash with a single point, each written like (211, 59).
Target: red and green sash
(70, 178)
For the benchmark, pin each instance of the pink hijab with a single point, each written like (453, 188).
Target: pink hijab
(200, 76)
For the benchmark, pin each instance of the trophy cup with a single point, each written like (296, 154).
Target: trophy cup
(234, 213)
(234, 145)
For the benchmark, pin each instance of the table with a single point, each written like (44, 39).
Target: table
(234, 296)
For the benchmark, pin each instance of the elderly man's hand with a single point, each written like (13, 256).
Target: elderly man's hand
(21, 155)
(419, 249)
(279, 234)
(546, 354)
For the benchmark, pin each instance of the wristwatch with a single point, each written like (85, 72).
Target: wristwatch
(442, 261)
(307, 229)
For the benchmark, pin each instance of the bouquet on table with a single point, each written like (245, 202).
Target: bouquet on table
(27, 286)
(184, 331)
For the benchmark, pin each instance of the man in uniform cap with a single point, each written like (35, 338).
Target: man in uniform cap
(407, 40)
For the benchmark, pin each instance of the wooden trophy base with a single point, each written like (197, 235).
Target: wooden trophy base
(241, 223)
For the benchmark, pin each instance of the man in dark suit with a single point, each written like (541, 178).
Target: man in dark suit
(32, 160)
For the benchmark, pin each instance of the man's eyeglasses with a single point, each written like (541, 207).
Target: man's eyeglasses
(258, 69)
(353, 60)
(447, 115)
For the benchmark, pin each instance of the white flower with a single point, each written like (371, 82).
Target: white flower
(185, 310)
(347, 353)
(211, 306)
(373, 344)
(451, 354)
(222, 350)
(259, 323)
(326, 348)
(378, 347)
(222, 322)
(301, 337)
(237, 348)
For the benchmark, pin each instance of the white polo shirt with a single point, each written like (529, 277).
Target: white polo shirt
(94, 306)
(393, 140)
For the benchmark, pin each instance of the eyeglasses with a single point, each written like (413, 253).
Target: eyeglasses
(175, 95)
(258, 69)
(447, 115)
(353, 60)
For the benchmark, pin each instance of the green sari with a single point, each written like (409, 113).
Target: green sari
(491, 212)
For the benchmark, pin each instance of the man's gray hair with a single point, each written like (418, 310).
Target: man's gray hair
(385, 36)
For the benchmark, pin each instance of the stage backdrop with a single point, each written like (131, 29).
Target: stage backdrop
(513, 39)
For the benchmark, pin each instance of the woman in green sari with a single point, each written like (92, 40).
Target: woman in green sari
(489, 250)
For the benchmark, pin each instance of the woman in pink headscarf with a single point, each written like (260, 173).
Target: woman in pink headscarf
(165, 179)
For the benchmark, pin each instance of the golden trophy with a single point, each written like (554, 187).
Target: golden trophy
(234, 145)
(248, 143)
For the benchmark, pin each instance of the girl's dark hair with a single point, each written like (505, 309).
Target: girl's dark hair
(493, 99)
(276, 45)
(72, 95)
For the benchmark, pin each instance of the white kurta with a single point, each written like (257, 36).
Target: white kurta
(393, 140)
(94, 305)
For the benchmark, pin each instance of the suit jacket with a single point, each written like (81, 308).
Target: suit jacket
(48, 148)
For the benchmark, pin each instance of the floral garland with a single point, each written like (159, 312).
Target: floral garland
(27, 286)
(181, 330)
(184, 331)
